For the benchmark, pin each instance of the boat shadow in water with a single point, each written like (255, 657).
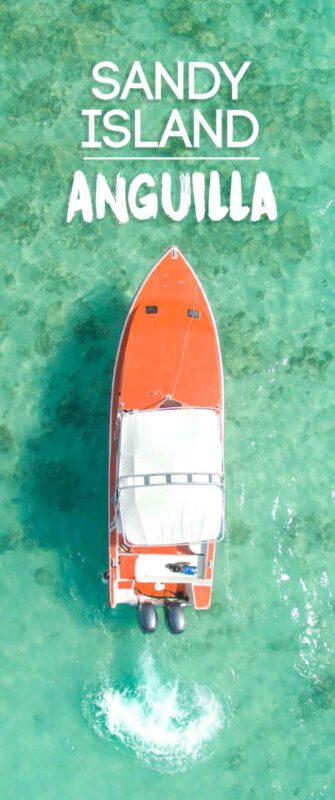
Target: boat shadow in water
(64, 468)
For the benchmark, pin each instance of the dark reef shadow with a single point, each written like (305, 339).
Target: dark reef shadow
(64, 467)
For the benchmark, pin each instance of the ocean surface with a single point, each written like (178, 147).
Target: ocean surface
(242, 706)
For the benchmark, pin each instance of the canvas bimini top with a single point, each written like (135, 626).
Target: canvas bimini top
(170, 476)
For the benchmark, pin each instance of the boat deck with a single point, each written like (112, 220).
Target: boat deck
(155, 567)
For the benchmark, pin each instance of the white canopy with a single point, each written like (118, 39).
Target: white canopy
(170, 476)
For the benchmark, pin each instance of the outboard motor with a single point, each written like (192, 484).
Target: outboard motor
(147, 617)
(175, 617)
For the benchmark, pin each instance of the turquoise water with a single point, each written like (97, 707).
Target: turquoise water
(242, 707)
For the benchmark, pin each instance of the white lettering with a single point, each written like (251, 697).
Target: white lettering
(234, 79)
(80, 198)
(237, 211)
(230, 128)
(216, 211)
(263, 201)
(185, 197)
(117, 203)
(116, 128)
(202, 65)
(105, 79)
(131, 82)
(169, 133)
(162, 73)
(147, 205)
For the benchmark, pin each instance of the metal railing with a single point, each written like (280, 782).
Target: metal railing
(171, 479)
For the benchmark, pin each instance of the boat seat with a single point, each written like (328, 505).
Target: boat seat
(152, 567)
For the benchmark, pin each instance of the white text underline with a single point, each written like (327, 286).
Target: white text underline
(171, 158)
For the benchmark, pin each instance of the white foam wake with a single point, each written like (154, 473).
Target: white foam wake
(169, 726)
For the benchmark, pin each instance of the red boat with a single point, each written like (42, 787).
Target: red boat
(166, 494)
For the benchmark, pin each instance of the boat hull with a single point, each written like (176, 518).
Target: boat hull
(168, 355)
